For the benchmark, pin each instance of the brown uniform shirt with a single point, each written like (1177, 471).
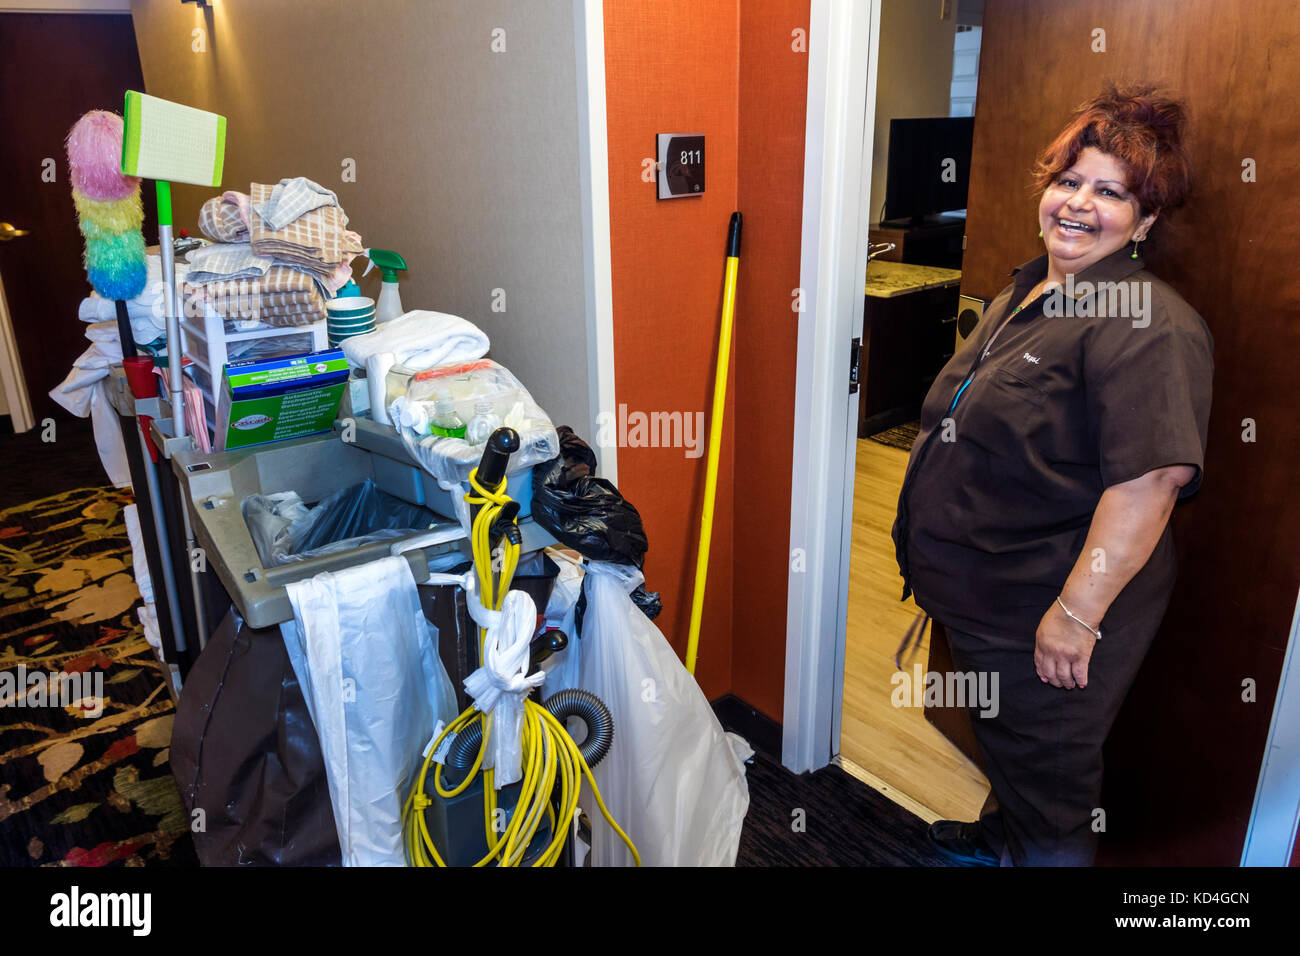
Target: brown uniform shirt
(1019, 438)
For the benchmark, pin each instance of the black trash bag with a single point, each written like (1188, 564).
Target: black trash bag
(584, 512)
(245, 752)
(284, 530)
(648, 601)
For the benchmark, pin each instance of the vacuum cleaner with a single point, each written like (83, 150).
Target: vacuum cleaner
(463, 819)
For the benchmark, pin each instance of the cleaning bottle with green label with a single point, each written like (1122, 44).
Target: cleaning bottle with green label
(445, 422)
(390, 302)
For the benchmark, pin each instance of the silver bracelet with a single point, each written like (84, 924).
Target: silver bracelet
(1096, 631)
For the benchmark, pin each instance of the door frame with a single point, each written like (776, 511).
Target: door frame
(843, 40)
(12, 380)
(1275, 815)
(593, 171)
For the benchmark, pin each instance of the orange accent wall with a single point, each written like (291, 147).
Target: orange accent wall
(673, 67)
(773, 91)
(726, 68)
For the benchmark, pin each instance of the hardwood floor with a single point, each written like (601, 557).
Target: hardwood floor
(895, 745)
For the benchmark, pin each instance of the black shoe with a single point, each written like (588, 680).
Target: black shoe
(962, 843)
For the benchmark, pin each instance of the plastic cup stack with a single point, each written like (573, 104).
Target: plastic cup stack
(354, 315)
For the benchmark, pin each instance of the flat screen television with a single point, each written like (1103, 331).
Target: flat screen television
(921, 182)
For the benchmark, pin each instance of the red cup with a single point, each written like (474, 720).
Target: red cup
(144, 384)
(140, 376)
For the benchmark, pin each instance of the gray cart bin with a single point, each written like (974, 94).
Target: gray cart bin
(215, 485)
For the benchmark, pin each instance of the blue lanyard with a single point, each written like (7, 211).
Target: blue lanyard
(983, 354)
(964, 386)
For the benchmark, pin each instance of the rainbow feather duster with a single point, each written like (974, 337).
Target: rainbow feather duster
(99, 218)
(115, 265)
(109, 211)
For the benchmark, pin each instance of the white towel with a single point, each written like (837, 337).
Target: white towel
(420, 340)
(85, 393)
(145, 310)
(139, 556)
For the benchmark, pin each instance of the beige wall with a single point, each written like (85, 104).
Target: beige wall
(466, 159)
(914, 78)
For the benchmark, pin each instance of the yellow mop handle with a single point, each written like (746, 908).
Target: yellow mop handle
(715, 439)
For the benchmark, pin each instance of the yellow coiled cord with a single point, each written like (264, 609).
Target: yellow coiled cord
(549, 753)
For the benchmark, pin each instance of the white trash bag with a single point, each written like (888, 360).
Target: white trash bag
(366, 661)
(501, 685)
(561, 612)
(672, 779)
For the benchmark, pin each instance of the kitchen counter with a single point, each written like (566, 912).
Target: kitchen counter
(887, 280)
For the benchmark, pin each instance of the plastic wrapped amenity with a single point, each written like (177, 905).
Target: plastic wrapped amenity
(468, 384)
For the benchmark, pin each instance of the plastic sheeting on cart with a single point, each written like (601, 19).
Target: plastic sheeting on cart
(366, 660)
(673, 779)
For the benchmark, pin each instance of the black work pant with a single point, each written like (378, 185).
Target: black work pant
(1042, 750)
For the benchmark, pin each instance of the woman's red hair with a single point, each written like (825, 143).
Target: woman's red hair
(1139, 126)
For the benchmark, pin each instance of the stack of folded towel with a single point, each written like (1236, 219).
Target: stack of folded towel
(299, 223)
(243, 286)
(225, 218)
(279, 297)
(278, 252)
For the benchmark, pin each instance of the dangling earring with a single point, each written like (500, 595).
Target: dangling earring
(1135, 248)
(1040, 233)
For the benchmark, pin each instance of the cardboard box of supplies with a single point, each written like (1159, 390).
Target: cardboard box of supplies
(265, 400)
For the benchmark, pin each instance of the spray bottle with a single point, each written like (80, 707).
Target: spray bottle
(390, 301)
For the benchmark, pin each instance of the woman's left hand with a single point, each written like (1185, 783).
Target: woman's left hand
(1128, 521)
(1062, 649)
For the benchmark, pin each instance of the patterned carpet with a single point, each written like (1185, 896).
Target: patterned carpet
(82, 782)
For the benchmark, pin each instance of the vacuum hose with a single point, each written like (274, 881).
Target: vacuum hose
(591, 710)
(582, 704)
(553, 765)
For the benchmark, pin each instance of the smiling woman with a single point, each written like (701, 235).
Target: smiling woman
(1109, 174)
(1034, 514)
(1087, 213)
